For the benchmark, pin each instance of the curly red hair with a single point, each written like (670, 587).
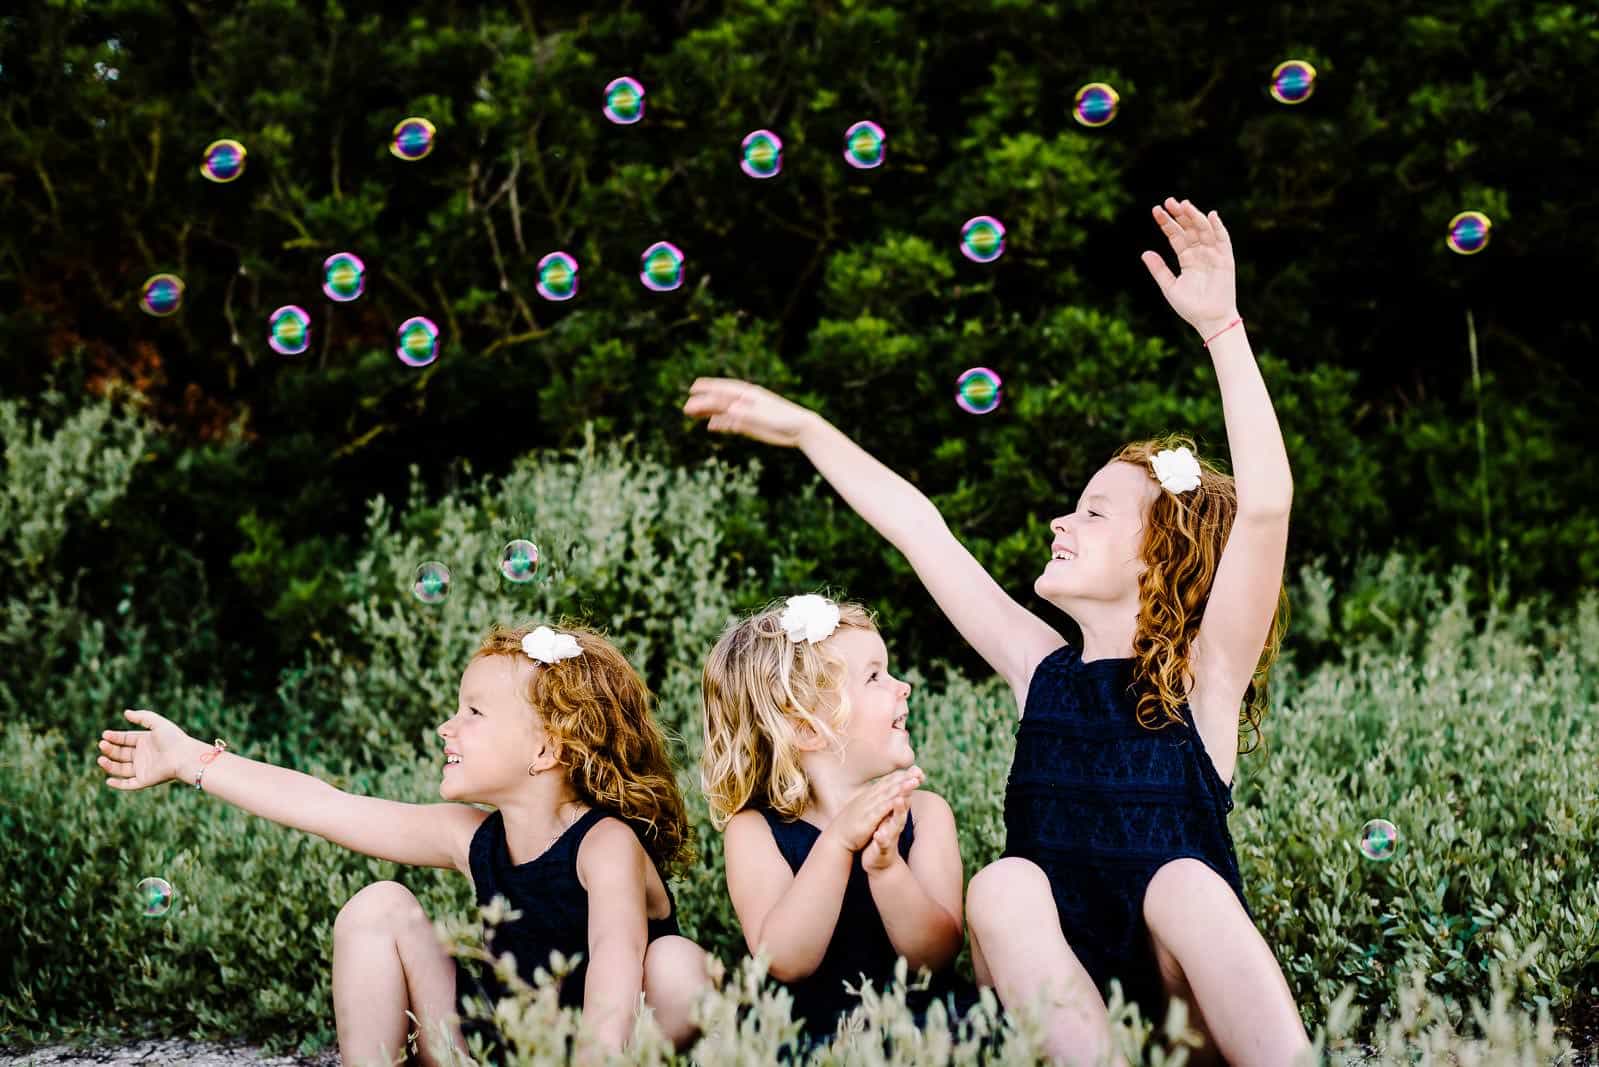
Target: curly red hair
(599, 711)
(1185, 534)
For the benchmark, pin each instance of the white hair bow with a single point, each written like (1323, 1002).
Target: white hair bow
(809, 618)
(1176, 471)
(549, 647)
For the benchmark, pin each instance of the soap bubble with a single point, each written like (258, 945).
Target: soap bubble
(343, 276)
(763, 154)
(983, 239)
(1292, 81)
(432, 583)
(663, 267)
(624, 101)
(863, 145)
(223, 160)
(161, 294)
(1096, 104)
(413, 139)
(519, 561)
(155, 897)
(1379, 840)
(977, 391)
(557, 277)
(1468, 233)
(419, 342)
(289, 330)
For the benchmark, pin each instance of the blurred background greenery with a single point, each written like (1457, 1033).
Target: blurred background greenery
(197, 524)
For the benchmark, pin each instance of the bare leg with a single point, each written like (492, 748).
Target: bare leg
(1237, 990)
(674, 979)
(1016, 930)
(387, 961)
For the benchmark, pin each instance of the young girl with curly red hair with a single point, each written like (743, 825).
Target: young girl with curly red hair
(1118, 862)
(554, 730)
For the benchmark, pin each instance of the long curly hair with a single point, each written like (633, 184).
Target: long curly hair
(599, 711)
(1183, 542)
(757, 688)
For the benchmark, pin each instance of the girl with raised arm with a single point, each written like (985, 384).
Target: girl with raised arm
(1118, 860)
(553, 730)
(837, 863)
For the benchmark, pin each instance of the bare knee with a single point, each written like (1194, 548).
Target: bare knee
(1009, 888)
(675, 975)
(379, 906)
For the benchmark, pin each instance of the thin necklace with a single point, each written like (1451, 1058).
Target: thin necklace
(563, 829)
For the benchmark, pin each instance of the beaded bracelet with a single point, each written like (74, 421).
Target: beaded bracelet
(218, 747)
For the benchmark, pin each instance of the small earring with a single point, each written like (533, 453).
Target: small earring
(532, 771)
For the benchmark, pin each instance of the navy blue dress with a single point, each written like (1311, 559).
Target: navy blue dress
(555, 916)
(860, 946)
(1102, 803)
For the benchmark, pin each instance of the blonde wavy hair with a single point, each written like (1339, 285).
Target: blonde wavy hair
(599, 711)
(756, 691)
(1184, 534)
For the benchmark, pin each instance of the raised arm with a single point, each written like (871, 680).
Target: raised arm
(417, 835)
(1009, 637)
(1248, 583)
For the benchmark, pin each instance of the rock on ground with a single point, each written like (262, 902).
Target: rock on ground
(173, 1051)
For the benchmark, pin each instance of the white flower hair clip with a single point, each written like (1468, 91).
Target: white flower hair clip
(1178, 471)
(809, 618)
(549, 647)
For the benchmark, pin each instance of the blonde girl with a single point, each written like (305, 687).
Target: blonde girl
(1118, 862)
(554, 731)
(837, 862)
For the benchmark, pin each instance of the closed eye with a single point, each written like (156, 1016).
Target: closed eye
(872, 677)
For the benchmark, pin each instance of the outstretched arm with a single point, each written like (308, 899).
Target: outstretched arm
(1009, 637)
(417, 835)
(1248, 580)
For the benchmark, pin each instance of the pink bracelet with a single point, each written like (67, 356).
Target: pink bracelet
(1236, 322)
(217, 748)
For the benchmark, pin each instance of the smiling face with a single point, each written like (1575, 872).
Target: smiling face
(1095, 550)
(875, 738)
(494, 732)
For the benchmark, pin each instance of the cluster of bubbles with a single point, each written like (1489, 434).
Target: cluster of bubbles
(982, 238)
(155, 897)
(1379, 840)
(519, 563)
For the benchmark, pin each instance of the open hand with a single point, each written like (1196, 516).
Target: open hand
(882, 851)
(1204, 293)
(734, 406)
(138, 759)
(854, 826)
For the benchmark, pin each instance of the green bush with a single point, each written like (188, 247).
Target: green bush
(1468, 725)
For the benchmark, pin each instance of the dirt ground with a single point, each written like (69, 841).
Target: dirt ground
(162, 1053)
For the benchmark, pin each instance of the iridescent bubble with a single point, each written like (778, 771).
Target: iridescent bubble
(1379, 840)
(161, 294)
(419, 342)
(432, 583)
(557, 277)
(1096, 104)
(1468, 233)
(983, 239)
(343, 276)
(1292, 81)
(624, 101)
(763, 154)
(413, 139)
(289, 330)
(155, 897)
(519, 561)
(863, 145)
(977, 391)
(223, 160)
(663, 267)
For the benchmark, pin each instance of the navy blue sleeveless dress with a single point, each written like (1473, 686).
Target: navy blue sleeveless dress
(1102, 803)
(555, 916)
(860, 946)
